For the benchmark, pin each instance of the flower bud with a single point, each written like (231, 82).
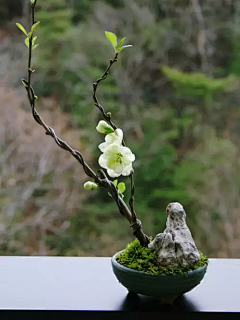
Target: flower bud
(89, 185)
(104, 127)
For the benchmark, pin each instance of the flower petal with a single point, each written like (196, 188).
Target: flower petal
(131, 157)
(112, 173)
(102, 161)
(104, 127)
(119, 133)
(128, 153)
(116, 137)
(119, 168)
(103, 146)
(113, 149)
(127, 170)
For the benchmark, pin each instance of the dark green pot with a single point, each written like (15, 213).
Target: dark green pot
(165, 287)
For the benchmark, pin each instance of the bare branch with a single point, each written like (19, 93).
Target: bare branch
(106, 116)
(131, 201)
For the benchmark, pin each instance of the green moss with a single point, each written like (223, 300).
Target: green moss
(143, 259)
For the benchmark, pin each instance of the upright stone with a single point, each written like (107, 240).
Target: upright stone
(175, 246)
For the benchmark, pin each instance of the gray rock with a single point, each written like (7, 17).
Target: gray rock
(164, 245)
(175, 246)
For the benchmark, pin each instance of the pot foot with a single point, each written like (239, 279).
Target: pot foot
(132, 293)
(168, 300)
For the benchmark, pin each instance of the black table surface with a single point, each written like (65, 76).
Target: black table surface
(88, 283)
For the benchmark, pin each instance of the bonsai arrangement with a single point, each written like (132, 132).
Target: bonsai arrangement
(166, 266)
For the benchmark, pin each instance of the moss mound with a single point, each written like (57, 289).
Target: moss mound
(143, 259)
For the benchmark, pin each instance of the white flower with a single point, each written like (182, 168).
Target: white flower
(117, 159)
(104, 127)
(115, 137)
(89, 185)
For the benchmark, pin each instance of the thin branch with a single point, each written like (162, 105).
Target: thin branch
(106, 116)
(131, 201)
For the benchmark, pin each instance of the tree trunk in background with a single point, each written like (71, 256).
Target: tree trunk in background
(25, 13)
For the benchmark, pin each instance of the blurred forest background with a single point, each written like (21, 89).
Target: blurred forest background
(176, 96)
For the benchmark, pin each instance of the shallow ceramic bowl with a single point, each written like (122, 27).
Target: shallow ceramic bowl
(164, 287)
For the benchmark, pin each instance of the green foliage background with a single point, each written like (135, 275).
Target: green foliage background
(175, 95)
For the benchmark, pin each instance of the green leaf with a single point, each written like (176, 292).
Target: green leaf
(121, 187)
(32, 1)
(34, 40)
(123, 47)
(115, 182)
(34, 26)
(21, 28)
(121, 43)
(109, 130)
(34, 47)
(27, 42)
(112, 38)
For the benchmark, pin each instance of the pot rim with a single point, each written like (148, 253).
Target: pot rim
(126, 269)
